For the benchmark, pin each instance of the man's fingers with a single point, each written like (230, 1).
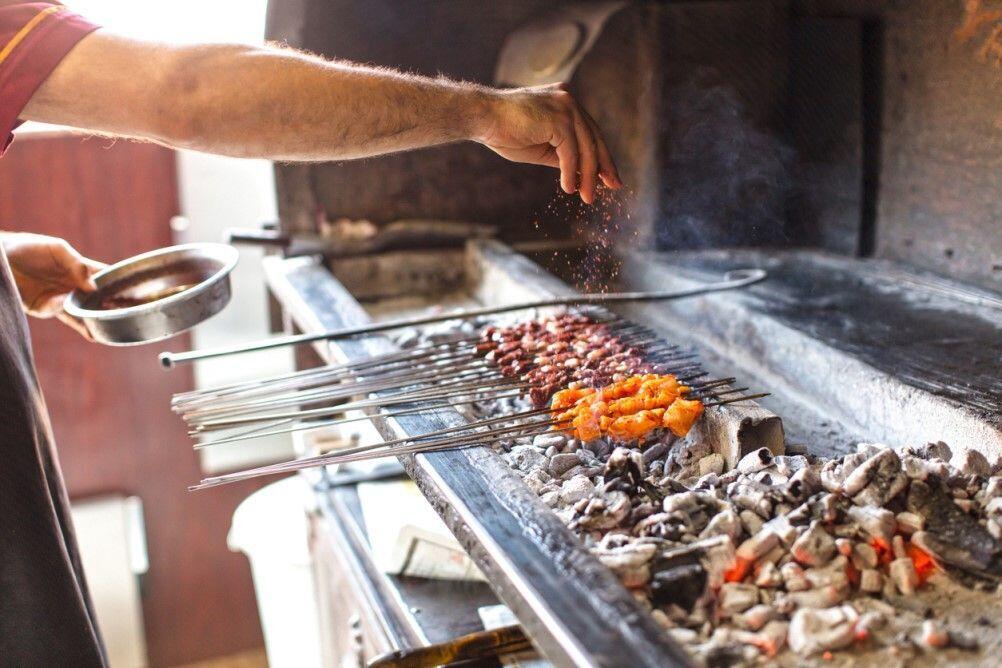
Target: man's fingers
(606, 165)
(78, 267)
(85, 271)
(566, 146)
(589, 159)
(74, 324)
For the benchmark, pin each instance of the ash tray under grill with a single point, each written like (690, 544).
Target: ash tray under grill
(156, 295)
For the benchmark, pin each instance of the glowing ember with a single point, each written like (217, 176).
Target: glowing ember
(738, 572)
(925, 565)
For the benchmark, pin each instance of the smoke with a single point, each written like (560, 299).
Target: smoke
(724, 181)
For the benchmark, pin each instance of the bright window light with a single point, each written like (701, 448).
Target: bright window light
(183, 21)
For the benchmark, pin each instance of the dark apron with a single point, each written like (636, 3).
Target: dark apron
(46, 617)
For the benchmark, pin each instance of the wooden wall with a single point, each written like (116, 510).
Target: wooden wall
(109, 406)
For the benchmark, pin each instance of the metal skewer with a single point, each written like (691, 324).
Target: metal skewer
(440, 369)
(627, 334)
(362, 453)
(732, 280)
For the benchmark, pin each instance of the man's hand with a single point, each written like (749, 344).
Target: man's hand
(546, 126)
(46, 269)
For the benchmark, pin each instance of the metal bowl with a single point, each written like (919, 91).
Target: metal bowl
(156, 295)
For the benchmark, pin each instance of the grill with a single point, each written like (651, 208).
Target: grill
(846, 150)
(594, 350)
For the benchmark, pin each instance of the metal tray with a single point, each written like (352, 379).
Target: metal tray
(156, 295)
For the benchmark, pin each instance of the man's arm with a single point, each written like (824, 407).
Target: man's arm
(284, 105)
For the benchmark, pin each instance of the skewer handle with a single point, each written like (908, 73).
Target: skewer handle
(738, 278)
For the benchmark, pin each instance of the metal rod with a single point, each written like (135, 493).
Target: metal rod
(417, 351)
(365, 452)
(343, 391)
(427, 394)
(362, 453)
(732, 280)
(317, 424)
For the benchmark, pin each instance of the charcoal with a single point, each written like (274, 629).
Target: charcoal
(757, 545)
(600, 447)
(834, 472)
(752, 522)
(871, 580)
(560, 464)
(832, 575)
(655, 452)
(769, 576)
(801, 486)
(939, 450)
(916, 468)
(972, 462)
(751, 496)
(725, 523)
(735, 597)
(630, 562)
(933, 635)
(551, 499)
(755, 617)
(525, 458)
(876, 481)
(769, 477)
(684, 636)
(606, 512)
(815, 547)
(711, 464)
(789, 464)
(909, 523)
(681, 584)
(813, 631)
(782, 528)
(793, 577)
(813, 598)
(901, 572)
(878, 523)
(684, 502)
(536, 480)
(576, 488)
(844, 547)
(755, 461)
(864, 556)
(710, 481)
(992, 490)
(951, 535)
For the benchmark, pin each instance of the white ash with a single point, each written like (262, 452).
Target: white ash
(791, 554)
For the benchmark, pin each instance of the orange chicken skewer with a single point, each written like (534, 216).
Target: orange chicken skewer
(627, 410)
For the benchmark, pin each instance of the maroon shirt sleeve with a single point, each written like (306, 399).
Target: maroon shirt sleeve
(34, 38)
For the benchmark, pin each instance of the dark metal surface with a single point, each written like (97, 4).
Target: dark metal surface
(897, 328)
(575, 610)
(437, 610)
(884, 352)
